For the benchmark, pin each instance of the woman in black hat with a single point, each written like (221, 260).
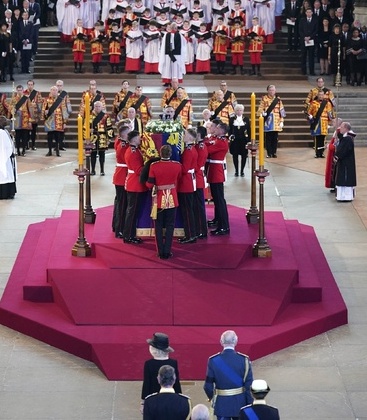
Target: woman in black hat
(160, 349)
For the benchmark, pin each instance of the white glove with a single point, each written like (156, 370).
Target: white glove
(310, 117)
(264, 114)
(281, 124)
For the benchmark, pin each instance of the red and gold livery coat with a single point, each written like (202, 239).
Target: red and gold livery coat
(24, 114)
(220, 41)
(57, 120)
(185, 113)
(37, 103)
(102, 132)
(256, 43)
(92, 97)
(238, 46)
(78, 44)
(96, 46)
(225, 113)
(144, 110)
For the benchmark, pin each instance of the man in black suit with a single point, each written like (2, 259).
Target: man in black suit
(25, 40)
(35, 16)
(166, 404)
(292, 15)
(308, 28)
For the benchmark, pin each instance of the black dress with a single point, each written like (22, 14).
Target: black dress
(323, 39)
(334, 47)
(240, 135)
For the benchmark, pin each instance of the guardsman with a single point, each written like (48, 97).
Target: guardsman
(134, 188)
(228, 378)
(187, 187)
(201, 184)
(216, 173)
(164, 176)
(119, 178)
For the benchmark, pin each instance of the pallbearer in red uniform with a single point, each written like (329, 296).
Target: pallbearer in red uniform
(187, 187)
(119, 178)
(79, 35)
(237, 46)
(217, 150)
(114, 48)
(164, 175)
(97, 36)
(255, 35)
(220, 45)
(134, 188)
(199, 200)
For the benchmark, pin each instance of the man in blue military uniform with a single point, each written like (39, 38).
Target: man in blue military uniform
(259, 410)
(228, 379)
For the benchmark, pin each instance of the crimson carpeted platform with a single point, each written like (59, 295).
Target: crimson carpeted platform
(103, 308)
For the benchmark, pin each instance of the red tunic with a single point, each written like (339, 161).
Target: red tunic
(199, 170)
(119, 177)
(135, 164)
(217, 150)
(165, 173)
(189, 159)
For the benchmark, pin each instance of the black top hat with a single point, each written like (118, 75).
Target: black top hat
(160, 341)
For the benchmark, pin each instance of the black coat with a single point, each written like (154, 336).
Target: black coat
(307, 29)
(346, 164)
(241, 136)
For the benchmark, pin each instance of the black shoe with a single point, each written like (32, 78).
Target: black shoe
(12, 79)
(220, 232)
(242, 174)
(34, 148)
(23, 153)
(119, 235)
(132, 241)
(274, 156)
(49, 154)
(102, 174)
(268, 156)
(58, 154)
(187, 240)
(93, 173)
(165, 256)
(202, 236)
(62, 149)
(236, 174)
(332, 190)
(212, 222)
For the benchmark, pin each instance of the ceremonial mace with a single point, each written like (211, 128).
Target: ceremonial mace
(261, 249)
(338, 80)
(81, 247)
(89, 214)
(252, 216)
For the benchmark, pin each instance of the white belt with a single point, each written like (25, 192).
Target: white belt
(130, 171)
(202, 168)
(191, 171)
(121, 165)
(216, 161)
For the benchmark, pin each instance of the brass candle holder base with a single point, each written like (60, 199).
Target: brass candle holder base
(81, 247)
(252, 215)
(261, 248)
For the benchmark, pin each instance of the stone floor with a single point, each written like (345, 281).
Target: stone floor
(322, 378)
